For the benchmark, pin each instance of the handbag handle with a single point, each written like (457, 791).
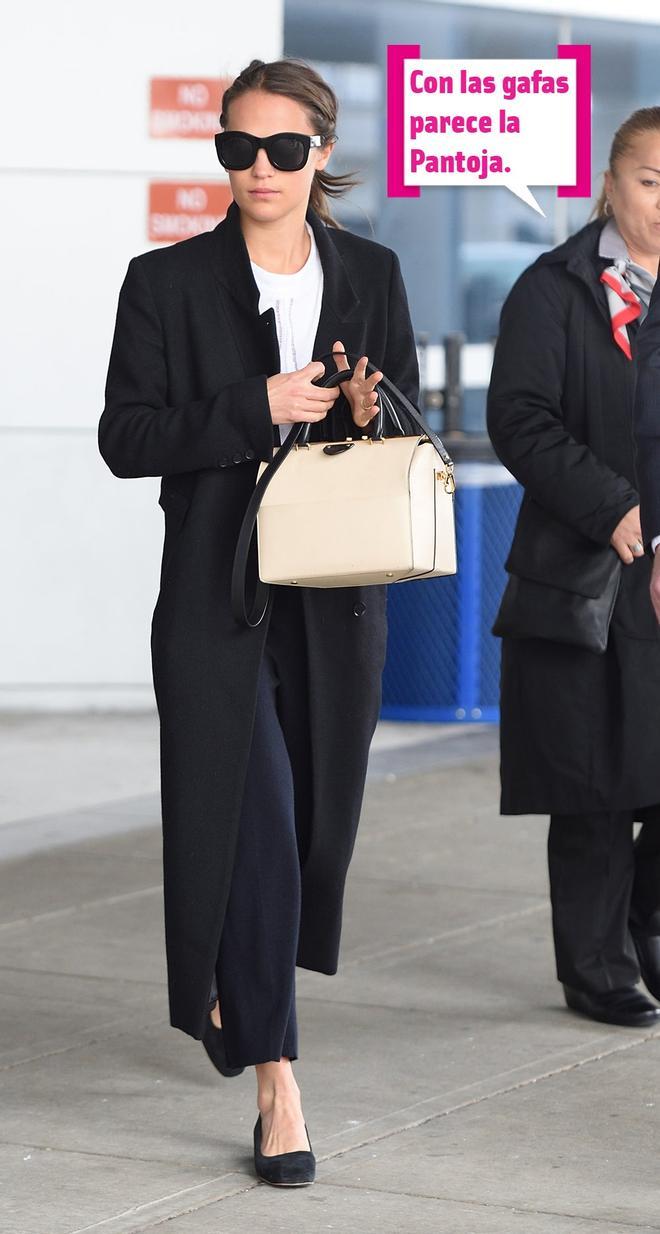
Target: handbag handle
(299, 436)
(340, 375)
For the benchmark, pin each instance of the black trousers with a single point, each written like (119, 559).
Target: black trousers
(601, 881)
(255, 971)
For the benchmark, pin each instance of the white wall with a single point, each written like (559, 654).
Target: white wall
(80, 550)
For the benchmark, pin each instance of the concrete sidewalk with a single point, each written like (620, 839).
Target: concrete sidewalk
(446, 1089)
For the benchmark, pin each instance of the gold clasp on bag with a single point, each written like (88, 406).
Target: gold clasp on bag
(448, 478)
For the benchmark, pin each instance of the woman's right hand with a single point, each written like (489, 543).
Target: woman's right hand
(293, 398)
(627, 537)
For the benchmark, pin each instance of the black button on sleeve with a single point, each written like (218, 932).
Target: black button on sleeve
(359, 608)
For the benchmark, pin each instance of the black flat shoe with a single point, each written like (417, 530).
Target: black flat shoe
(628, 1007)
(214, 1044)
(295, 1169)
(647, 947)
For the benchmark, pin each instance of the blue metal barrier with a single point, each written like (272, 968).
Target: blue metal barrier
(442, 661)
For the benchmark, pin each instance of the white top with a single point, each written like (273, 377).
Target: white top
(296, 300)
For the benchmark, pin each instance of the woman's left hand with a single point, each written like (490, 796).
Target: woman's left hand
(359, 391)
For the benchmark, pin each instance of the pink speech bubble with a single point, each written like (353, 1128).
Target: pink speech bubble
(580, 186)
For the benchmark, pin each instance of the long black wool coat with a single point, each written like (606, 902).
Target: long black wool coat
(186, 399)
(647, 418)
(579, 731)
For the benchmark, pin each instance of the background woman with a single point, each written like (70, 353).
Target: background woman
(265, 732)
(579, 730)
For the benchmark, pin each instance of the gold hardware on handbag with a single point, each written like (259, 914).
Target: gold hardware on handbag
(340, 514)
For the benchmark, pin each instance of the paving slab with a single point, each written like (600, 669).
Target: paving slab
(445, 1085)
(324, 1208)
(65, 878)
(53, 1192)
(583, 1142)
(50, 831)
(444, 827)
(120, 911)
(47, 1013)
(119, 934)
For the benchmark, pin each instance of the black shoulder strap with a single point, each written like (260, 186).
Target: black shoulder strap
(299, 436)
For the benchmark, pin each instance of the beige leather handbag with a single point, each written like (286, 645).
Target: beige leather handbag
(349, 513)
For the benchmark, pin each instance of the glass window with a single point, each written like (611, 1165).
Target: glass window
(460, 249)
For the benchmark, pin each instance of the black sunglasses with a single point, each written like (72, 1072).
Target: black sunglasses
(286, 151)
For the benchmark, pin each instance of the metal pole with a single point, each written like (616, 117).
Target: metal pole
(453, 402)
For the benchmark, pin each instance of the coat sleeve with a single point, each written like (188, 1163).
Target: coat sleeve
(525, 416)
(139, 434)
(647, 417)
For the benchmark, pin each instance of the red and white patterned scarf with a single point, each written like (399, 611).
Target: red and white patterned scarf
(623, 304)
(628, 286)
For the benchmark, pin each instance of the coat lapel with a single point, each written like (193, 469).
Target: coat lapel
(585, 270)
(340, 304)
(254, 332)
(580, 255)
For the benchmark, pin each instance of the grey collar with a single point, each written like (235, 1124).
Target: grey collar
(612, 243)
(613, 246)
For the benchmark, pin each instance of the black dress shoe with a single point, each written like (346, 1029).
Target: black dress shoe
(295, 1169)
(214, 1044)
(628, 1007)
(647, 947)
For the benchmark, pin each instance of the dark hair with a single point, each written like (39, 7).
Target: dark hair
(298, 80)
(645, 120)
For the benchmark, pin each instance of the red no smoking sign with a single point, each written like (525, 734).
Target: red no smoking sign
(185, 106)
(177, 210)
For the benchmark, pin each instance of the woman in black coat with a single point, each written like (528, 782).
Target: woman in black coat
(580, 731)
(265, 731)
